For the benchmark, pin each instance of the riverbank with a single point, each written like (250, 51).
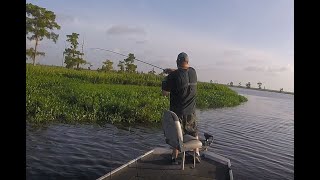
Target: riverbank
(268, 90)
(83, 96)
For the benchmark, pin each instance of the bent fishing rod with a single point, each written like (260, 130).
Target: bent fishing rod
(128, 56)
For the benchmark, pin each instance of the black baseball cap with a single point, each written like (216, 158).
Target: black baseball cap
(182, 57)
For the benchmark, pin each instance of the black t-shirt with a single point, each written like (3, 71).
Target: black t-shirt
(182, 85)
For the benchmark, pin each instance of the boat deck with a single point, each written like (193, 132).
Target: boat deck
(156, 164)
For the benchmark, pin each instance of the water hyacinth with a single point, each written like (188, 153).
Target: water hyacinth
(83, 96)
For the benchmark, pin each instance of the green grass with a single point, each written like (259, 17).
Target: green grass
(82, 96)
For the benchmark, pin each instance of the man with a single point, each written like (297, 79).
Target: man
(181, 84)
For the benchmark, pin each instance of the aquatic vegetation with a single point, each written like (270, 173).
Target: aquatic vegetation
(73, 96)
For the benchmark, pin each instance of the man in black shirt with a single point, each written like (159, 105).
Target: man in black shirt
(181, 84)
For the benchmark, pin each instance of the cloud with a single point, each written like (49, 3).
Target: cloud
(117, 50)
(254, 60)
(141, 42)
(279, 69)
(254, 68)
(290, 67)
(232, 53)
(126, 30)
(230, 62)
(223, 63)
(65, 18)
(267, 69)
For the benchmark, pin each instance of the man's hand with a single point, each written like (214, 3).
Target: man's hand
(168, 70)
(165, 93)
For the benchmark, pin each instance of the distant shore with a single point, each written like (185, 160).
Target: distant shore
(269, 90)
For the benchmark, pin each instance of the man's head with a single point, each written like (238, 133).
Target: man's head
(183, 60)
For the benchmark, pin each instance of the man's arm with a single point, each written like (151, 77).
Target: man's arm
(168, 70)
(166, 85)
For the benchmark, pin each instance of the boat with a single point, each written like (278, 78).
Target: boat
(156, 163)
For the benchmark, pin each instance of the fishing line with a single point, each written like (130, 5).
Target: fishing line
(128, 56)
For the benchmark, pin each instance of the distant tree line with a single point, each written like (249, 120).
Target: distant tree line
(248, 85)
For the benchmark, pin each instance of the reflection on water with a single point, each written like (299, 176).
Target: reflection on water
(256, 136)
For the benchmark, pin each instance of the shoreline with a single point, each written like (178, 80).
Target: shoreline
(257, 89)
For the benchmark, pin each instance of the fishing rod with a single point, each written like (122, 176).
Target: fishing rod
(128, 56)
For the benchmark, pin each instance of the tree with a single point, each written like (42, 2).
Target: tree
(39, 24)
(152, 72)
(73, 56)
(108, 65)
(248, 85)
(231, 83)
(239, 84)
(211, 81)
(259, 85)
(30, 53)
(90, 65)
(121, 66)
(130, 67)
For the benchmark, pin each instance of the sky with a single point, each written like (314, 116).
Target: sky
(235, 41)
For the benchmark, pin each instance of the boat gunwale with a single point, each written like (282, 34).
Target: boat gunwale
(125, 165)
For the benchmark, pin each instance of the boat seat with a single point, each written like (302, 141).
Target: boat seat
(174, 137)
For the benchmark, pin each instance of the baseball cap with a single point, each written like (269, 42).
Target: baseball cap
(182, 57)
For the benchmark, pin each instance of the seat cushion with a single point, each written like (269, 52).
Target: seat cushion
(192, 144)
(188, 137)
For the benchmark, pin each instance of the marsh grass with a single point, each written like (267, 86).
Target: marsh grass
(56, 94)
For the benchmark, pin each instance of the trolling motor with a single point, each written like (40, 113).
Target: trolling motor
(207, 141)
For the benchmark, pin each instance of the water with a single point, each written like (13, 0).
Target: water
(256, 136)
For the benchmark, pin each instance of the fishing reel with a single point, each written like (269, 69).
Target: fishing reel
(207, 141)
